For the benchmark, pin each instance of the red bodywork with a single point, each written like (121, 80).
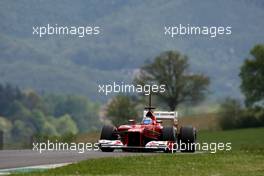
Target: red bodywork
(138, 135)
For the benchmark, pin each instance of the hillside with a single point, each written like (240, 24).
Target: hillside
(132, 33)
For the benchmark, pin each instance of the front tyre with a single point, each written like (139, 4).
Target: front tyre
(108, 133)
(168, 134)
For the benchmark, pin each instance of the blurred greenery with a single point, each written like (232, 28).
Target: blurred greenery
(252, 76)
(233, 115)
(27, 114)
(120, 109)
(66, 137)
(232, 112)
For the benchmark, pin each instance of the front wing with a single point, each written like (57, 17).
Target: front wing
(152, 145)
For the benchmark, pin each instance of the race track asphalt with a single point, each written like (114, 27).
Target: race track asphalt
(24, 158)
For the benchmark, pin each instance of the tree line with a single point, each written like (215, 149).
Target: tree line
(24, 114)
(234, 114)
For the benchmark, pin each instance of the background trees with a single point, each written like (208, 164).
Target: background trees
(81, 110)
(26, 114)
(170, 68)
(182, 86)
(230, 112)
(120, 109)
(252, 76)
(233, 114)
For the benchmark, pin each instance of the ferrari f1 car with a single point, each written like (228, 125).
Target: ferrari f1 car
(150, 134)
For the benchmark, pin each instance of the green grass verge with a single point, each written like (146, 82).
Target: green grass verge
(233, 163)
(242, 139)
(246, 158)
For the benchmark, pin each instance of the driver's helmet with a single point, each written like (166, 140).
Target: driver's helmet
(147, 121)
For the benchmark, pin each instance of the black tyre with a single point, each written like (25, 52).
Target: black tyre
(168, 134)
(108, 133)
(187, 138)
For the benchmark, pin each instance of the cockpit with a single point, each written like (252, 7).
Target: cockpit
(147, 121)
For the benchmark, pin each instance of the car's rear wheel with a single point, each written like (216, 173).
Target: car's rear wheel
(108, 133)
(187, 138)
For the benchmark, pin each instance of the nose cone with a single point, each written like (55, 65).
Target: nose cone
(136, 128)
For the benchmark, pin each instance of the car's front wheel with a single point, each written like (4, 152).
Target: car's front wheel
(108, 133)
(169, 134)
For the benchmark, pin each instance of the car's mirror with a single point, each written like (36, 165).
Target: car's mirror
(159, 121)
(131, 121)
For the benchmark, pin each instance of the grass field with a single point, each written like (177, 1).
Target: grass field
(245, 158)
(209, 121)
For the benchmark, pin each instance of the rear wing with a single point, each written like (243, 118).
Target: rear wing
(171, 117)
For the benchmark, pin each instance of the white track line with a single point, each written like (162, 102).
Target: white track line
(46, 166)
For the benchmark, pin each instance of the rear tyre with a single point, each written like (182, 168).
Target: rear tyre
(187, 138)
(108, 133)
(168, 134)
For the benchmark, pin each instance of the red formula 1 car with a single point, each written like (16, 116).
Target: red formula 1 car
(149, 135)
